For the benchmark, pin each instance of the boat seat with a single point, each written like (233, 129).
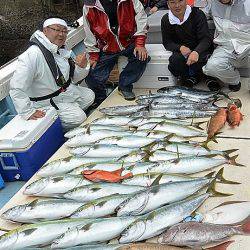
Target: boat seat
(154, 34)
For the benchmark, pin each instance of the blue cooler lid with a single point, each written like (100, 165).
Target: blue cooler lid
(20, 134)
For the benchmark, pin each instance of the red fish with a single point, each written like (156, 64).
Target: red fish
(234, 116)
(105, 176)
(217, 122)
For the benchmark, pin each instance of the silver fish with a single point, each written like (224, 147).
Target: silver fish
(195, 234)
(98, 231)
(37, 234)
(228, 213)
(132, 141)
(191, 106)
(180, 113)
(95, 191)
(189, 149)
(191, 164)
(148, 178)
(82, 139)
(122, 110)
(163, 100)
(113, 120)
(101, 150)
(177, 129)
(55, 185)
(154, 223)
(101, 166)
(155, 196)
(92, 127)
(65, 165)
(100, 207)
(41, 210)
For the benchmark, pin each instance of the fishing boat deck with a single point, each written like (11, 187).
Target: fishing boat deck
(230, 138)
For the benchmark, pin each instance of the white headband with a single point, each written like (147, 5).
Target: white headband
(51, 21)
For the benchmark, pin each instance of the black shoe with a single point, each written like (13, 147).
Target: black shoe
(127, 95)
(190, 82)
(235, 88)
(213, 84)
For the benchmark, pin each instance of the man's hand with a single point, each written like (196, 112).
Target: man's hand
(38, 114)
(81, 60)
(153, 10)
(185, 51)
(92, 63)
(193, 58)
(141, 53)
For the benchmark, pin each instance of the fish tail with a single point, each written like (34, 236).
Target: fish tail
(222, 246)
(214, 193)
(210, 175)
(197, 124)
(229, 151)
(232, 161)
(219, 176)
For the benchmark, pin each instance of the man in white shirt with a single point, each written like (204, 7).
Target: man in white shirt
(232, 37)
(44, 75)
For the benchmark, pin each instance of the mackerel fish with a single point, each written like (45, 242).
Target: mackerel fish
(155, 222)
(177, 129)
(101, 166)
(100, 207)
(155, 196)
(65, 165)
(112, 166)
(122, 110)
(55, 185)
(82, 139)
(92, 127)
(189, 149)
(147, 179)
(163, 155)
(180, 113)
(190, 106)
(97, 231)
(41, 210)
(95, 191)
(101, 150)
(132, 141)
(39, 234)
(113, 120)
(182, 165)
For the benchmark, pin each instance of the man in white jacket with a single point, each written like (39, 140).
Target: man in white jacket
(232, 37)
(35, 86)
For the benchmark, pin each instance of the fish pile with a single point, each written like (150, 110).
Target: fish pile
(115, 183)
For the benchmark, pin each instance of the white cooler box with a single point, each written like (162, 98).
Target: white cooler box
(26, 145)
(156, 74)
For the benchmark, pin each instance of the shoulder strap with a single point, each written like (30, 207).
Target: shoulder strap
(55, 70)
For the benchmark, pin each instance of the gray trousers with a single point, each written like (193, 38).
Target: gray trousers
(224, 64)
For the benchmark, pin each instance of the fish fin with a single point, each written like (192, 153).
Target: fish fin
(229, 203)
(88, 130)
(211, 190)
(168, 137)
(229, 151)
(222, 246)
(219, 176)
(224, 94)
(233, 162)
(33, 203)
(5, 230)
(197, 124)
(210, 175)
(86, 227)
(157, 180)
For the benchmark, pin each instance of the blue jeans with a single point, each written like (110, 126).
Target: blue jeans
(98, 76)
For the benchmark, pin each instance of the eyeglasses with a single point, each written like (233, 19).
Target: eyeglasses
(65, 32)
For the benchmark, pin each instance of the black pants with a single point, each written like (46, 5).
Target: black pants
(179, 68)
